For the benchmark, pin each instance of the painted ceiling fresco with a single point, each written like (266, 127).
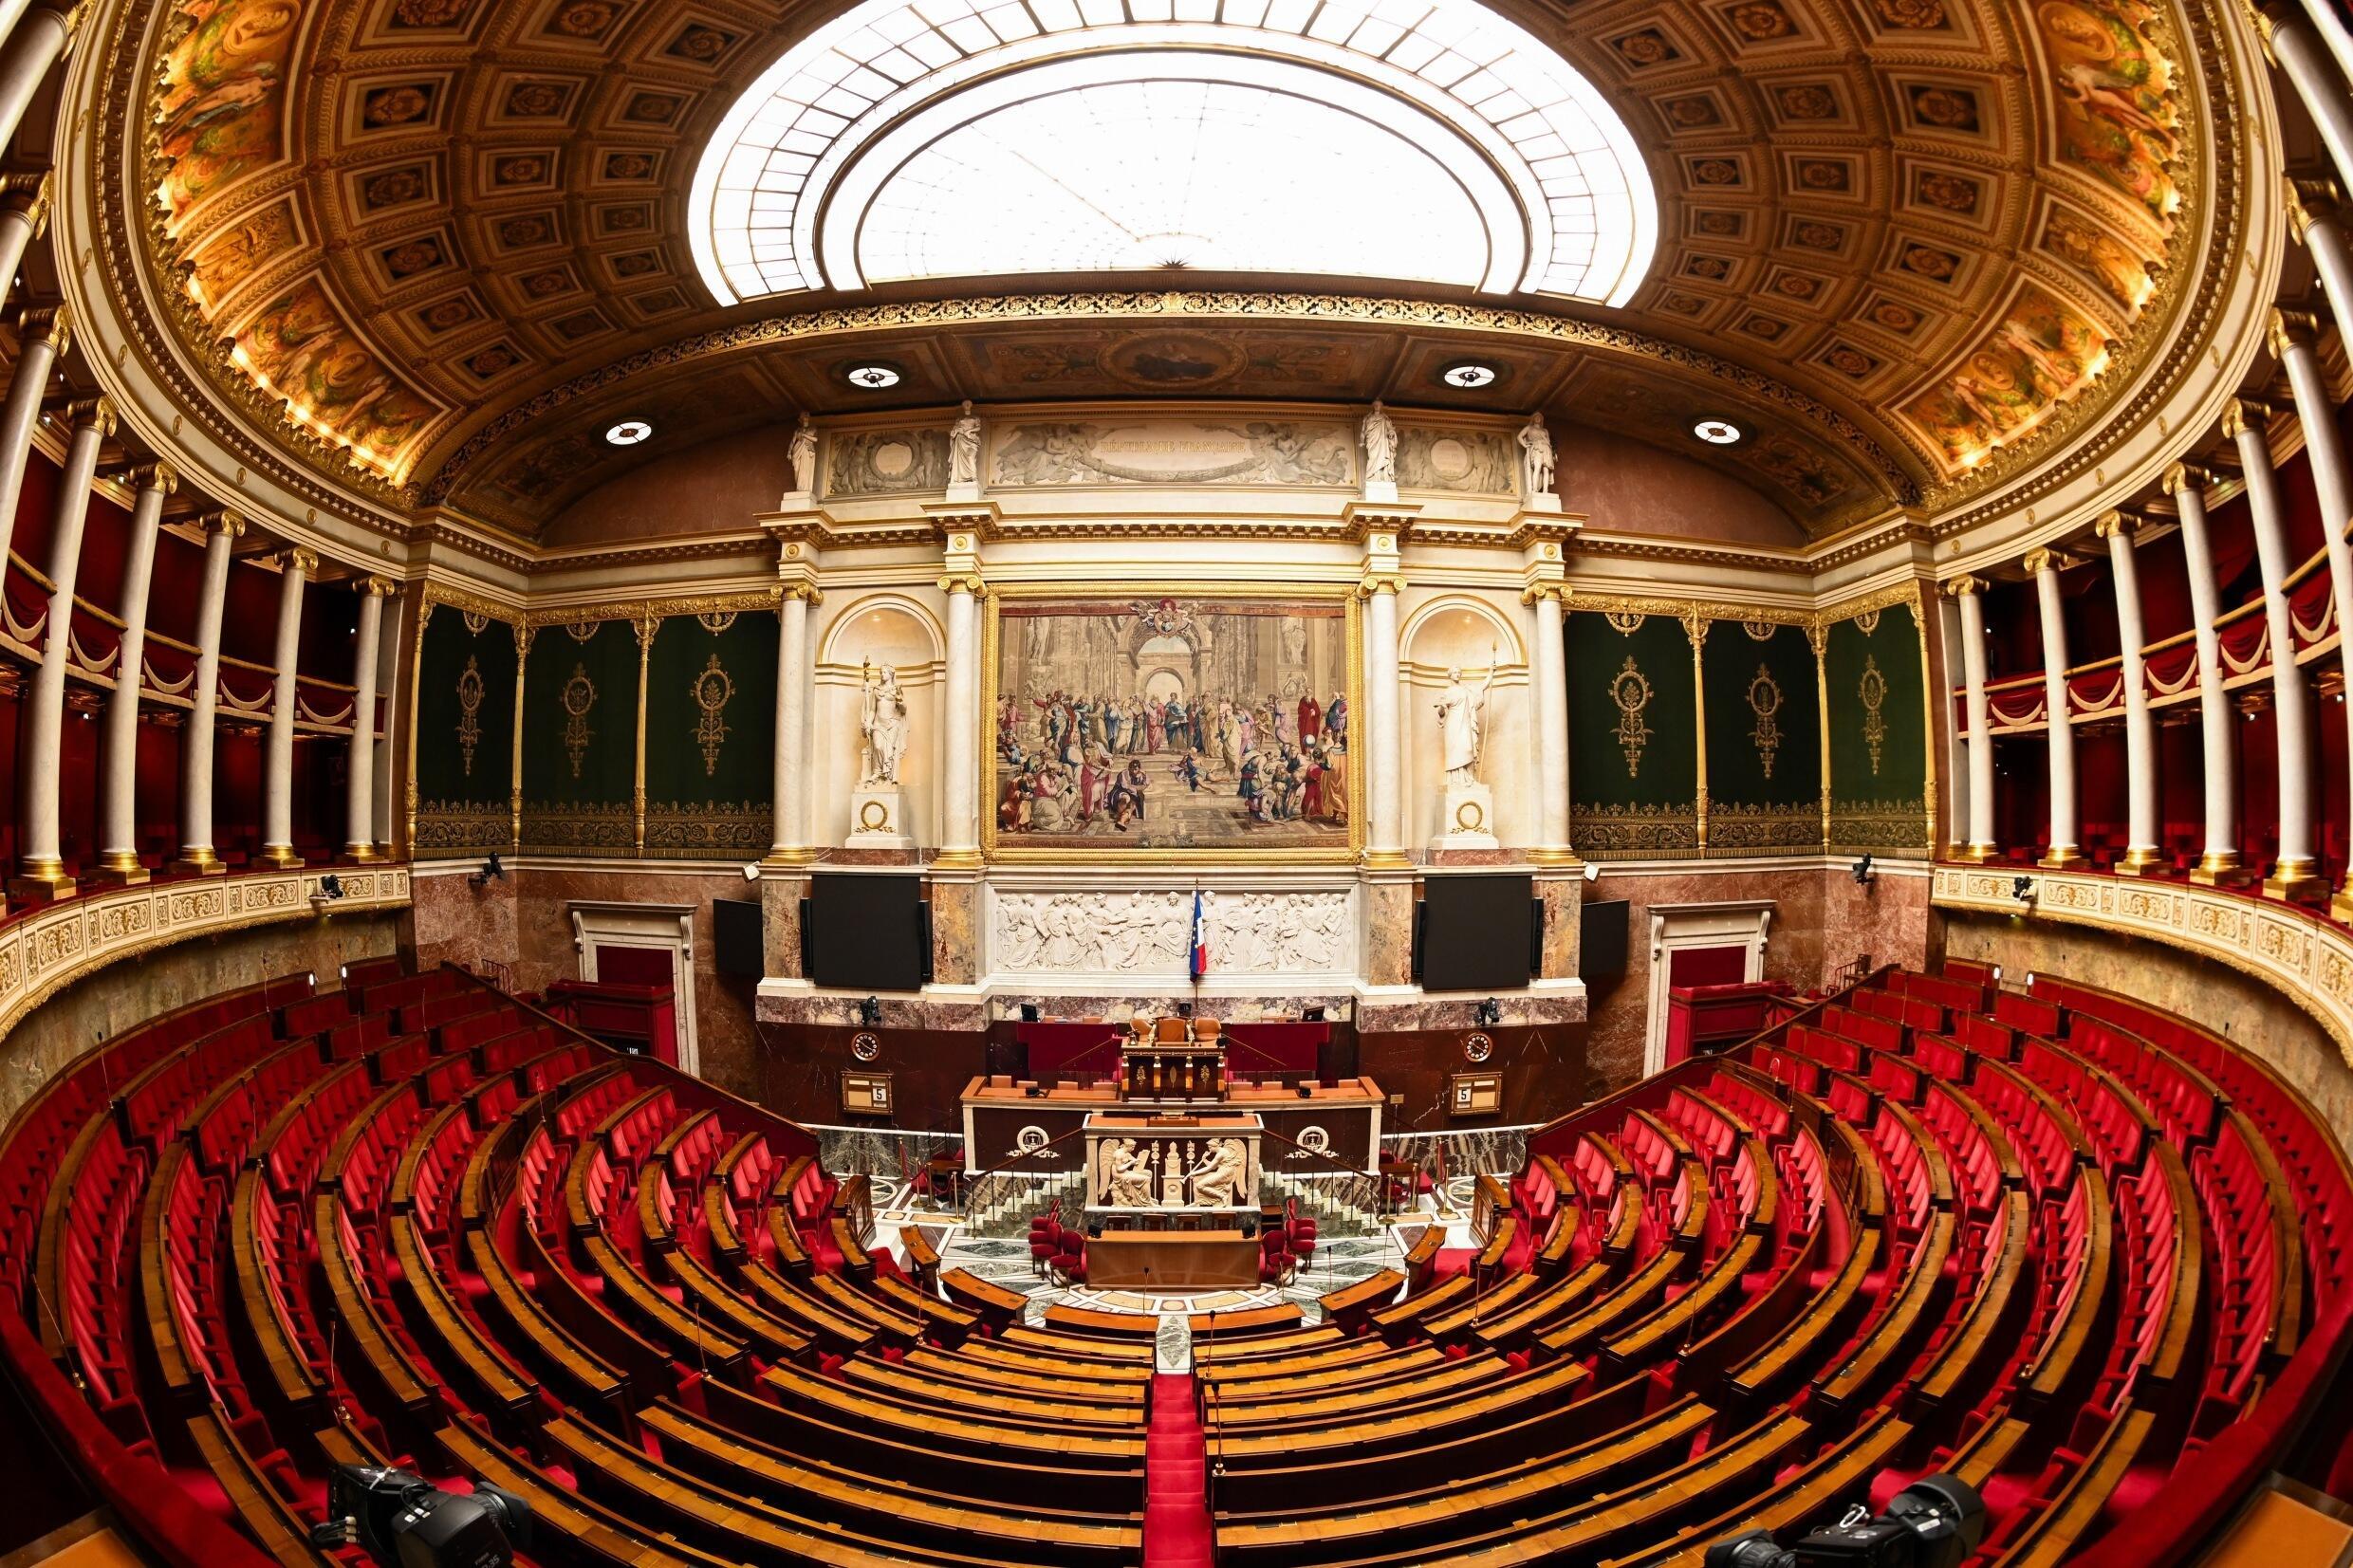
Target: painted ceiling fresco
(1936, 221)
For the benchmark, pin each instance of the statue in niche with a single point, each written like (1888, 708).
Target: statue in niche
(1462, 723)
(1380, 446)
(1535, 457)
(1217, 1180)
(882, 722)
(964, 448)
(804, 454)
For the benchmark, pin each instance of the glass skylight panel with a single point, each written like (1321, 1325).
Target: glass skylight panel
(856, 81)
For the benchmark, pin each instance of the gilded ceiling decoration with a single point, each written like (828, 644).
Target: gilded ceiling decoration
(1898, 236)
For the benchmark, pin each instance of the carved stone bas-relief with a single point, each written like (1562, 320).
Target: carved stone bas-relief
(1459, 462)
(1147, 936)
(885, 462)
(1176, 451)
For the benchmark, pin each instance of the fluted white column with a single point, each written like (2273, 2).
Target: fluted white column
(42, 335)
(2141, 843)
(1968, 593)
(791, 845)
(295, 568)
(197, 852)
(1551, 727)
(1384, 776)
(117, 840)
(2296, 46)
(959, 839)
(2218, 858)
(34, 44)
(43, 872)
(2064, 851)
(359, 772)
(2295, 873)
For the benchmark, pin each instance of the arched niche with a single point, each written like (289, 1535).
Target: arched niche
(877, 629)
(1473, 633)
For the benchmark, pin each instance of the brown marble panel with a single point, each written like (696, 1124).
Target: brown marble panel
(1389, 933)
(798, 1071)
(1563, 899)
(780, 924)
(955, 941)
(1544, 1074)
(450, 921)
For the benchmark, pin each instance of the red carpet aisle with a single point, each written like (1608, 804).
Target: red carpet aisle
(1176, 1524)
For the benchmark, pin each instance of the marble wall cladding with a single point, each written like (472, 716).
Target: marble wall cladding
(1389, 933)
(780, 924)
(955, 932)
(452, 922)
(1563, 899)
(1886, 920)
(102, 1005)
(2251, 1014)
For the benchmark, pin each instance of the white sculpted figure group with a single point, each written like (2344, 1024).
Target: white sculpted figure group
(1150, 933)
(1132, 1173)
(1462, 723)
(883, 723)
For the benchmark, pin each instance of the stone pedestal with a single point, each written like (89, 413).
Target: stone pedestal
(1380, 491)
(877, 820)
(1468, 819)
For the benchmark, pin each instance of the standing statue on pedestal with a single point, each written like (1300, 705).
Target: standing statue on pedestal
(882, 721)
(1380, 445)
(804, 454)
(1535, 458)
(1462, 723)
(964, 448)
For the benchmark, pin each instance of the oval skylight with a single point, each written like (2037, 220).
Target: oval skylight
(1437, 142)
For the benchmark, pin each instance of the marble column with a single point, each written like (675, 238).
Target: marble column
(360, 774)
(1552, 847)
(2218, 858)
(294, 569)
(24, 216)
(118, 835)
(959, 839)
(42, 335)
(2296, 46)
(196, 852)
(2141, 852)
(2064, 852)
(34, 44)
(387, 751)
(2295, 873)
(42, 873)
(1385, 841)
(791, 845)
(2316, 218)
(2293, 338)
(1969, 592)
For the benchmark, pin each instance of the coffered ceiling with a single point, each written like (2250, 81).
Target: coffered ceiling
(435, 246)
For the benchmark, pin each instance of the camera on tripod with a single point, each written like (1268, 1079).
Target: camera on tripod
(1935, 1522)
(405, 1522)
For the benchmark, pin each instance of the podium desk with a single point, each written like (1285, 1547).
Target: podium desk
(1172, 1260)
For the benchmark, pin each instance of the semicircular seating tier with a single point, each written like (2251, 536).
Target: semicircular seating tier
(2083, 1253)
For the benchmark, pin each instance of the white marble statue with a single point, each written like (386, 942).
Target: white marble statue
(882, 722)
(804, 454)
(1218, 1181)
(1462, 723)
(1535, 457)
(1380, 446)
(964, 448)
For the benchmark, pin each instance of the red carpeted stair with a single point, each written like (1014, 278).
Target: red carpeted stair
(1177, 1524)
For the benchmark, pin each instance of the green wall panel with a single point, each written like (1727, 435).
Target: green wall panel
(580, 739)
(465, 734)
(1633, 737)
(1878, 728)
(1764, 740)
(709, 736)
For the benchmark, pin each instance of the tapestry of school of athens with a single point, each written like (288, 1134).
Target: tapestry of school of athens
(1158, 723)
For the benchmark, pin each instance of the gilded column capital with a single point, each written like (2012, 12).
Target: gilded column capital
(964, 582)
(157, 475)
(377, 587)
(2040, 560)
(2116, 521)
(28, 193)
(2243, 415)
(296, 559)
(1964, 585)
(1381, 583)
(91, 413)
(2291, 328)
(2310, 201)
(1536, 593)
(224, 520)
(809, 593)
(49, 323)
(2184, 477)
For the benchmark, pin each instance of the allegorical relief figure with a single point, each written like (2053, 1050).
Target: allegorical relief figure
(1218, 1181)
(1380, 446)
(882, 722)
(1535, 457)
(1462, 723)
(964, 448)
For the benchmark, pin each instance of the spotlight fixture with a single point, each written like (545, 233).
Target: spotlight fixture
(493, 871)
(870, 1011)
(627, 434)
(1717, 432)
(1593, 872)
(1469, 375)
(331, 885)
(1862, 874)
(1490, 1013)
(2022, 889)
(873, 378)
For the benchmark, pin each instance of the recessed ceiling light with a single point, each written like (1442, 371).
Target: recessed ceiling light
(628, 432)
(875, 378)
(1469, 375)
(1717, 433)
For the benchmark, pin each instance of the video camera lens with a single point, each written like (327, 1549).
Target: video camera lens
(1935, 1522)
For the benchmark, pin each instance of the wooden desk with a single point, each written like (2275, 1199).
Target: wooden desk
(1172, 1260)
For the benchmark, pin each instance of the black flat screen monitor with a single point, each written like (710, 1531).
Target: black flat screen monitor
(1602, 936)
(1474, 932)
(866, 933)
(735, 927)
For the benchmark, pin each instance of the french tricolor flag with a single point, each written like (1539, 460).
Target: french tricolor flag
(1200, 939)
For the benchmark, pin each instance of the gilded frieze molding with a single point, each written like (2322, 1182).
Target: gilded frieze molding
(642, 612)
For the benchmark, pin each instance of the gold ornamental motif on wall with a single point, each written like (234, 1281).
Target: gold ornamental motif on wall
(580, 695)
(713, 692)
(1873, 689)
(1764, 702)
(468, 712)
(1631, 692)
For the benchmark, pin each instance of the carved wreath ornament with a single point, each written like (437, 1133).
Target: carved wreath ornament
(468, 712)
(1631, 692)
(712, 690)
(1874, 693)
(1765, 701)
(580, 694)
